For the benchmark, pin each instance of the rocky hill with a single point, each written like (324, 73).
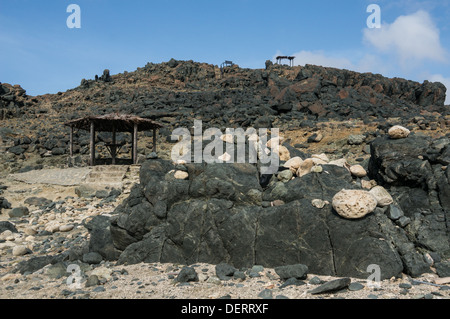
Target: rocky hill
(178, 88)
(177, 92)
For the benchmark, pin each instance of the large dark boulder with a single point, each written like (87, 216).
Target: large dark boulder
(17, 150)
(397, 162)
(411, 169)
(101, 237)
(209, 231)
(4, 225)
(431, 94)
(4, 203)
(230, 182)
(217, 216)
(35, 263)
(211, 226)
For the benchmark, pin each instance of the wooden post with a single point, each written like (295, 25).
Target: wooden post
(113, 146)
(135, 139)
(154, 140)
(92, 162)
(132, 146)
(71, 141)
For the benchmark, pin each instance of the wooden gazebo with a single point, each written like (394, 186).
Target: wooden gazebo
(290, 58)
(113, 123)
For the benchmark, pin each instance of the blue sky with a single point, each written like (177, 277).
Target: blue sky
(39, 52)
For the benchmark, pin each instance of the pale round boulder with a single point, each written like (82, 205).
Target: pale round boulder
(180, 162)
(305, 167)
(66, 228)
(323, 157)
(382, 196)
(52, 226)
(358, 171)
(317, 169)
(6, 234)
(253, 137)
(284, 153)
(293, 164)
(277, 203)
(398, 132)
(181, 175)
(20, 251)
(354, 204)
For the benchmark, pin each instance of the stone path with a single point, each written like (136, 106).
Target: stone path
(62, 177)
(102, 176)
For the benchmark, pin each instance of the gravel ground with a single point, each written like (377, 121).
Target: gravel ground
(148, 281)
(159, 281)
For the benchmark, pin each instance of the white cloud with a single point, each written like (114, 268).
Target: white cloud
(408, 48)
(412, 38)
(443, 80)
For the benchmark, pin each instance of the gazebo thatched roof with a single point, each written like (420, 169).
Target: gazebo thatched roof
(121, 123)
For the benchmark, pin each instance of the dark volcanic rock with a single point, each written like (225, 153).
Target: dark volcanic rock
(4, 225)
(298, 271)
(38, 201)
(36, 263)
(17, 150)
(101, 237)
(409, 169)
(213, 228)
(331, 286)
(187, 274)
(18, 212)
(396, 162)
(394, 212)
(92, 258)
(4, 203)
(225, 271)
(443, 269)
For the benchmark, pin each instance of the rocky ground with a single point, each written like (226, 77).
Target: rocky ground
(56, 219)
(159, 281)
